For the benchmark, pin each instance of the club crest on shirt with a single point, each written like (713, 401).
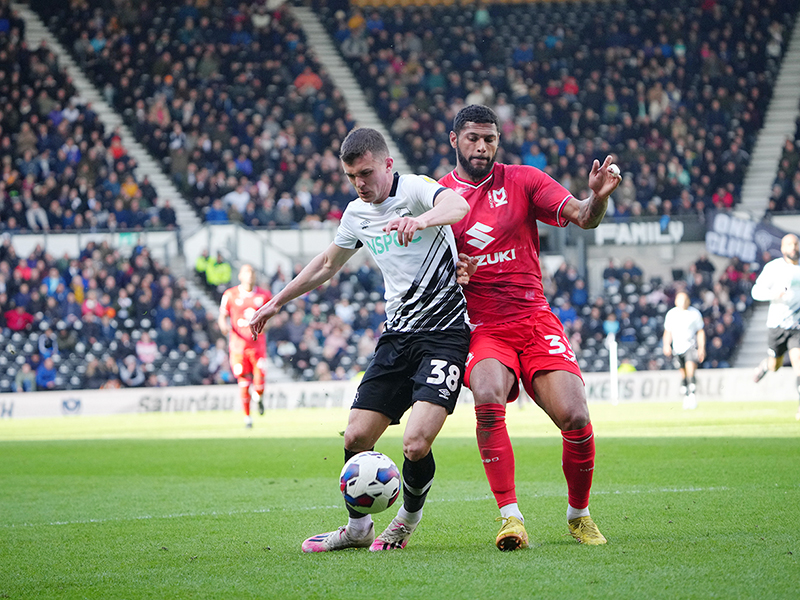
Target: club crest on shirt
(498, 197)
(402, 211)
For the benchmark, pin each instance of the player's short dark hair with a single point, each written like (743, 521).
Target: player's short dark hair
(474, 113)
(360, 141)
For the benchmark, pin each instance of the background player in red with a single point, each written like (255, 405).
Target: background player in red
(515, 334)
(248, 357)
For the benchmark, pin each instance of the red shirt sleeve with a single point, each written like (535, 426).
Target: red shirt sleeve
(548, 197)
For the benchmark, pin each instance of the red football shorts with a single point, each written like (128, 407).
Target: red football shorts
(526, 346)
(251, 362)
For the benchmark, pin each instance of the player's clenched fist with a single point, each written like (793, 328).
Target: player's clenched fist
(465, 268)
(260, 318)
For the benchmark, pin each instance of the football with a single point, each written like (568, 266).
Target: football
(614, 170)
(370, 482)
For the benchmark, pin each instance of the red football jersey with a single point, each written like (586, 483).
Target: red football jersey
(501, 231)
(240, 306)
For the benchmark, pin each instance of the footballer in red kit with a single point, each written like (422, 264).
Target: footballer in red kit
(515, 334)
(248, 357)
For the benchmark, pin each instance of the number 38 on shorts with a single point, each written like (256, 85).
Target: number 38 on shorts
(446, 377)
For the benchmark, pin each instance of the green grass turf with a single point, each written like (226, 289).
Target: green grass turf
(699, 504)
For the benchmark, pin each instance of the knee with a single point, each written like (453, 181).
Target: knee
(576, 418)
(415, 449)
(356, 440)
(487, 393)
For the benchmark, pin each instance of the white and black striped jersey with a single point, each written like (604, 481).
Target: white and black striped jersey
(420, 279)
(781, 278)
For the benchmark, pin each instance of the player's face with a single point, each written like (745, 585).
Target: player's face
(790, 248)
(247, 277)
(371, 176)
(682, 301)
(476, 148)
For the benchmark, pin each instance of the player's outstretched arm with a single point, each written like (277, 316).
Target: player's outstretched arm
(321, 268)
(667, 341)
(448, 208)
(588, 213)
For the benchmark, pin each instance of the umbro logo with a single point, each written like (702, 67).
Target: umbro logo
(364, 224)
(480, 235)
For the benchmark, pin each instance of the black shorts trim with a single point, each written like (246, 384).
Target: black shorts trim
(426, 366)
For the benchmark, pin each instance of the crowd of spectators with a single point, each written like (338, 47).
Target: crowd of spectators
(785, 196)
(227, 95)
(330, 333)
(633, 308)
(107, 320)
(676, 92)
(247, 124)
(102, 319)
(61, 171)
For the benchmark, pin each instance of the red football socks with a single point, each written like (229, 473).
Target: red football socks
(577, 460)
(244, 394)
(496, 452)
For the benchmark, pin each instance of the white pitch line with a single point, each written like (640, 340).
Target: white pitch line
(215, 513)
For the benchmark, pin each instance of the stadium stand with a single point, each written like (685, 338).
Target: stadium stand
(61, 170)
(785, 196)
(101, 318)
(241, 115)
(677, 92)
(247, 123)
(633, 308)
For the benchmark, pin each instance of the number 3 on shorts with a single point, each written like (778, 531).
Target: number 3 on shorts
(451, 379)
(557, 346)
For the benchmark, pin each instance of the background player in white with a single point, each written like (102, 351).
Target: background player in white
(419, 360)
(685, 341)
(779, 283)
(516, 335)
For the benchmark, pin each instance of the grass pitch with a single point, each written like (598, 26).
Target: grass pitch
(699, 504)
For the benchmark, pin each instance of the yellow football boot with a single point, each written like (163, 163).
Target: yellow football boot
(512, 534)
(585, 531)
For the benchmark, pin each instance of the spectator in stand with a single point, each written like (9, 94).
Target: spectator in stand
(216, 213)
(718, 354)
(18, 319)
(146, 349)
(166, 215)
(131, 373)
(579, 296)
(46, 375)
(25, 379)
(48, 343)
(95, 377)
(167, 336)
(199, 371)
